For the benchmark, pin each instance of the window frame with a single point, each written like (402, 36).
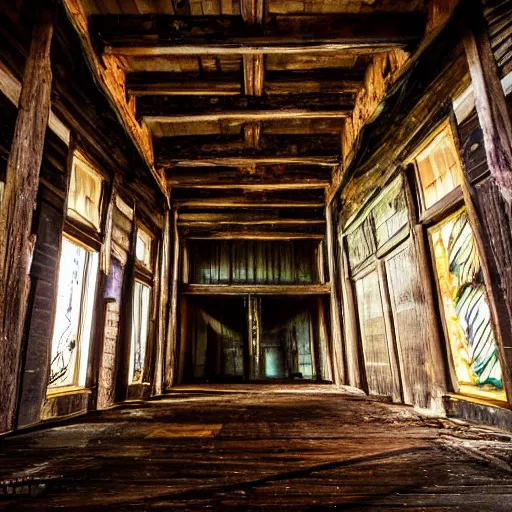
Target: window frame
(454, 198)
(144, 368)
(77, 226)
(145, 275)
(88, 280)
(445, 208)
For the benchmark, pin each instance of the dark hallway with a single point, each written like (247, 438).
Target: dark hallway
(256, 255)
(234, 447)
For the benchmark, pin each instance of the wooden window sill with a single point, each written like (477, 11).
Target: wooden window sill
(481, 400)
(67, 390)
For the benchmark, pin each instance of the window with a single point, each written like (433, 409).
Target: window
(73, 318)
(143, 247)
(467, 316)
(438, 167)
(139, 337)
(84, 199)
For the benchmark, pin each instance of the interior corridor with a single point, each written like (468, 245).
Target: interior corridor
(235, 447)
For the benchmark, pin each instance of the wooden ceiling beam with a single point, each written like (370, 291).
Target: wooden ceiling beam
(233, 178)
(236, 221)
(157, 83)
(251, 235)
(253, 217)
(175, 149)
(255, 115)
(161, 83)
(170, 109)
(256, 289)
(201, 35)
(244, 202)
(249, 161)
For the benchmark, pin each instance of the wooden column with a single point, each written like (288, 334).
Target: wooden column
(335, 300)
(172, 334)
(162, 305)
(490, 101)
(437, 349)
(355, 367)
(17, 207)
(254, 327)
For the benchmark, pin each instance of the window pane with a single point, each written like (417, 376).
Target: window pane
(139, 331)
(143, 247)
(438, 168)
(466, 312)
(75, 299)
(84, 194)
(87, 314)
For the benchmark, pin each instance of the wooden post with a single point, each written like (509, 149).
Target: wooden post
(254, 327)
(335, 301)
(355, 368)
(17, 207)
(490, 102)
(162, 304)
(172, 334)
(437, 349)
(183, 338)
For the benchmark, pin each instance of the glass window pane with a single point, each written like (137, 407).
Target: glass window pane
(87, 314)
(84, 193)
(75, 301)
(143, 248)
(438, 168)
(139, 337)
(466, 311)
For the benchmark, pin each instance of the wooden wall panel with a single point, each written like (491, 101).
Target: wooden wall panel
(374, 339)
(43, 275)
(247, 261)
(411, 328)
(361, 244)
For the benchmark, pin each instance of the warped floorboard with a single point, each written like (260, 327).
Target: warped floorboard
(241, 448)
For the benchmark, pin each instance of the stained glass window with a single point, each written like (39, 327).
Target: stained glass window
(139, 336)
(466, 311)
(438, 167)
(73, 318)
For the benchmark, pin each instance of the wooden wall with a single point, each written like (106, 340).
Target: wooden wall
(253, 261)
(43, 273)
(389, 299)
(498, 14)
(91, 125)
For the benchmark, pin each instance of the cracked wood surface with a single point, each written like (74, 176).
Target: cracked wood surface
(259, 447)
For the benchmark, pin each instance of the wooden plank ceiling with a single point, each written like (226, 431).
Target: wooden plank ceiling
(246, 99)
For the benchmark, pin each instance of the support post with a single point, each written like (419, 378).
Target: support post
(355, 369)
(172, 335)
(17, 207)
(162, 305)
(335, 301)
(254, 326)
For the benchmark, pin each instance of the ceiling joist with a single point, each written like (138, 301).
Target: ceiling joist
(146, 35)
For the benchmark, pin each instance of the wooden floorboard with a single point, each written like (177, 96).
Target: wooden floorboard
(242, 448)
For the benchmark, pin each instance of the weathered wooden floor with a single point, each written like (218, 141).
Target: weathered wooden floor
(266, 451)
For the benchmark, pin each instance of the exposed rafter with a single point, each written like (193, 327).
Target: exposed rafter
(169, 109)
(207, 35)
(249, 161)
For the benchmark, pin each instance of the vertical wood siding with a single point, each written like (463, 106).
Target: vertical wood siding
(499, 19)
(241, 261)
